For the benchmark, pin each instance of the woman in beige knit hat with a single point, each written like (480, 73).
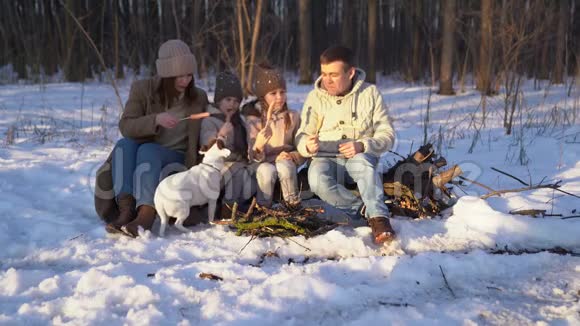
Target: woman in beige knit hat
(156, 142)
(271, 129)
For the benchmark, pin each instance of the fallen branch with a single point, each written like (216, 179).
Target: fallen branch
(530, 212)
(548, 186)
(555, 250)
(395, 304)
(499, 192)
(477, 183)
(555, 186)
(569, 217)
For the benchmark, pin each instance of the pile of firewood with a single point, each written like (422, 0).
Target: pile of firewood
(417, 186)
(282, 221)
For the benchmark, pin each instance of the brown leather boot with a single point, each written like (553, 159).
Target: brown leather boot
(127, 213)
(145, 219)
(381, 230)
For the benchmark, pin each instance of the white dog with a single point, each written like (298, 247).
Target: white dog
(197, 186)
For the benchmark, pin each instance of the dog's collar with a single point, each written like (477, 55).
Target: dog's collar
(211, 166)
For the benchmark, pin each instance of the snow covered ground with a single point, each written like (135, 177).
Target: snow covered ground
(58, 266)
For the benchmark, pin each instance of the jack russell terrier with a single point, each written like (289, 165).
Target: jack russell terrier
(197, 186)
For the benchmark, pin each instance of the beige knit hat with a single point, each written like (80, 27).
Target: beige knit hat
(175, 59)
(267, 79)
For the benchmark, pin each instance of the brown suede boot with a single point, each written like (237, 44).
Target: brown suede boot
(381, 230)
(127, 213)
(145, 219)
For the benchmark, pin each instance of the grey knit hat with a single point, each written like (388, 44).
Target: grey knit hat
(266, 80)
(175, 59)
(227, 84)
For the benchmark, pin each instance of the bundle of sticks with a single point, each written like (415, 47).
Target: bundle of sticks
(283, 222)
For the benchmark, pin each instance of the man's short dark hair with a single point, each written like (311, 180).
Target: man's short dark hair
(337, 53)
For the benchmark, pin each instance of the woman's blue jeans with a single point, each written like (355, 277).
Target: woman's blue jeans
(138, 168)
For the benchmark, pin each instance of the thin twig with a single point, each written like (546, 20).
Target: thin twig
(308, 249)
(76, 237)
(446, 283)
(511, 176)
(565, 192)
(568, 217)
(244, 247)
(251, 209)
(401, 156)
(273, 212)
(395, 304)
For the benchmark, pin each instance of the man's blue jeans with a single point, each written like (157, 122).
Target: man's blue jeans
(138, 168)
(327, 177)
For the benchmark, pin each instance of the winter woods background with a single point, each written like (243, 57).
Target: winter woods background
(492, 42)
(483, 262)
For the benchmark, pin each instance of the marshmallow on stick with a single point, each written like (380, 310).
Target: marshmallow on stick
(197, 116)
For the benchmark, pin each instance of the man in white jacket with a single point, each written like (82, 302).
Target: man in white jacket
(345, 129)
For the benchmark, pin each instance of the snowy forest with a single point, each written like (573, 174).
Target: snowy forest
(421, 41)
(479, 172)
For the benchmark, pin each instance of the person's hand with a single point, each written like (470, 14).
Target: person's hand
(351, 148)
(166, 120)
(312, 144)
(226, 130)
(284, 156)
(262, 139)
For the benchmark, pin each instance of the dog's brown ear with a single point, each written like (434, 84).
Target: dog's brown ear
(220, 143)
(204, 148)
(209, 145)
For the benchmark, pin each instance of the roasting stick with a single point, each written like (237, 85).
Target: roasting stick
(319, 125)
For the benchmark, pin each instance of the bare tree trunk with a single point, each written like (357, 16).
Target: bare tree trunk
(544, 61)
(347, 24)
(118, 66)
(255, 36)
(305, 39)
(372, 41)
(73, 66)
(558, 75)
(197, 38)
(416, 55)
(241, 34)
(485, 50)
(448, 48)
(175, 19)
